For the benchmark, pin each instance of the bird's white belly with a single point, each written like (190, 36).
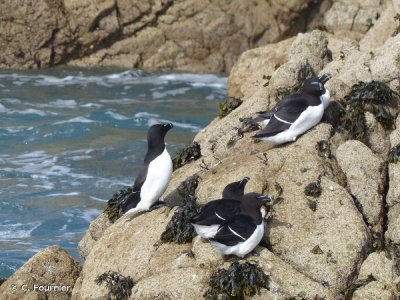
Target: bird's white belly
(308, 119)
(206, 231)
(158, 176)
(245, 247)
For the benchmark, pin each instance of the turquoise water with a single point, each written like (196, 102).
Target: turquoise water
(70, 138)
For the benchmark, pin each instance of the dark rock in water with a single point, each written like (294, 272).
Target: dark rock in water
(228, 106)
(394, 155)
(114, 204)
(188, 154)
(375, 97)
(120, 287)
(237, 282)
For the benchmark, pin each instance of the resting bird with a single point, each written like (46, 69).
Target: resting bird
(244, 231)
(215, 212)
(296, 113)
(155, 174)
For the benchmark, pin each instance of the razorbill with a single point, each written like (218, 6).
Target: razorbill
(296, 113)
(155, 174)
(244, 231)
(215, 212)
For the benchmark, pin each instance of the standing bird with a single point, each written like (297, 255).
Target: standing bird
(155, 174)
(214, 213)
(296, 113)
(244, 231)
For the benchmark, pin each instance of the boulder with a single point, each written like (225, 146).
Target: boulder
(49, 274)
(184, 35)
(365, 178)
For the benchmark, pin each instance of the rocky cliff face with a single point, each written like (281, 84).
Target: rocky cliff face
(194, 35)
(343, 242)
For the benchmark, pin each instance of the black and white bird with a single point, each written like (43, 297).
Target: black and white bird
(296, 113)
(155, 174)
(214, 213)
(244, 231)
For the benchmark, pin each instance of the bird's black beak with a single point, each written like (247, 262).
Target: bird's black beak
(325, 77)
(169, 125)
(244, 180)
(265, 200)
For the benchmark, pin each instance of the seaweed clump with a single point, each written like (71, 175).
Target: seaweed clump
(313, 189)
(112, 210)
(120, 287)
(238, 281)
(324, 149)
(188, 154)
(394, 155)
(375, 97)
(179, 230)
(228, 106)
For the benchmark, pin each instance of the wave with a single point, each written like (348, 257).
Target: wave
(17, 230)
(75, 120)
(116, 116)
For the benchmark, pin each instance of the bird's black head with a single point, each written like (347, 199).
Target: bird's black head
(256, 200)
(235, 190)
(315, 85)
(156, 134)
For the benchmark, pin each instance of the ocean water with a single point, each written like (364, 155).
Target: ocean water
(70, 138)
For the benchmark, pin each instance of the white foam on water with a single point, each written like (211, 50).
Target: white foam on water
(2, 108)
(63, 194)
(117, 116)
(79, 157)
(29, 111)
(144, 114)
(90, 105)
(174, 92)
(17, 230)
(124, 101)
(90, 214)
(98, 199)
(75, 120)
(60, 103)
(196, 80)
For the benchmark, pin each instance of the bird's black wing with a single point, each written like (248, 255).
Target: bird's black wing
(283, 118)
(267, 114)
(238, 229)
(216, 212)
(132, 200)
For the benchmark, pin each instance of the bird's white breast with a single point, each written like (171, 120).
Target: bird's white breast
(158, 176)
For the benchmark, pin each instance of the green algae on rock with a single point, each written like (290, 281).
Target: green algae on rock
(120, 287)
(186, 155)
(238, 281)
(228, 106)
(179, 230)
(375, 97)
(114, 204)
(394, 155)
